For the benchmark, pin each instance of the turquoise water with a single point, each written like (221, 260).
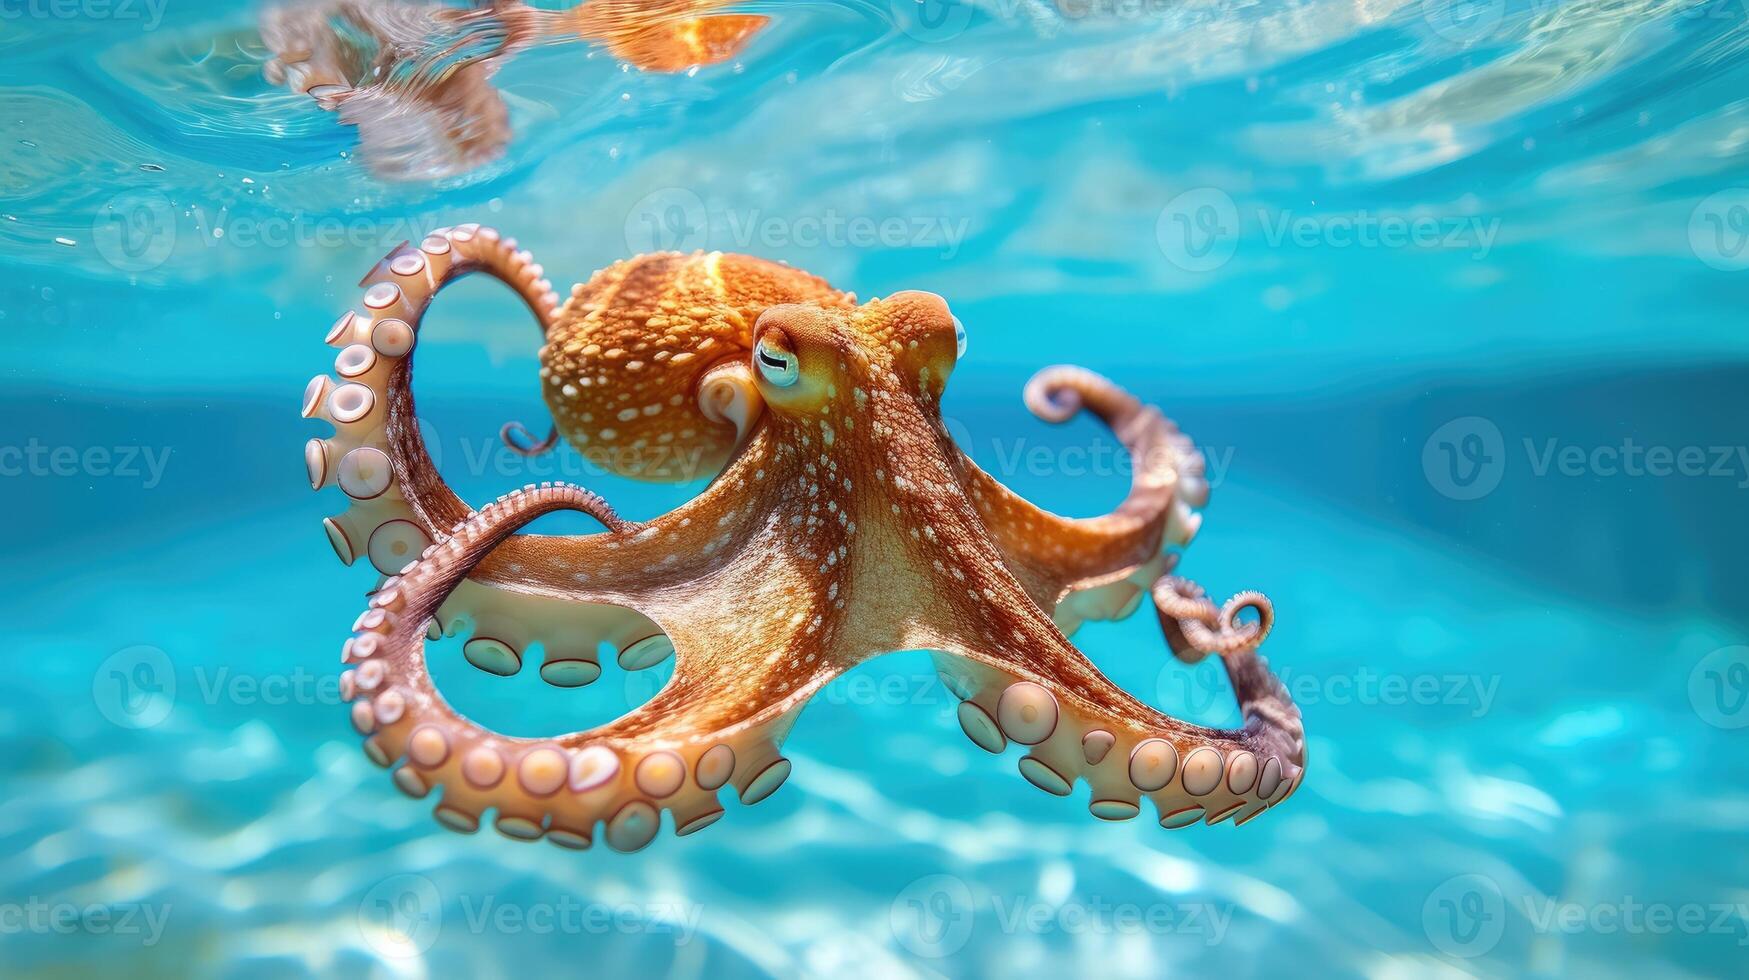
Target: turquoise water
(1451, 294)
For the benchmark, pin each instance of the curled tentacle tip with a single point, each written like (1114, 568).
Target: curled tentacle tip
(1186, 616)
(1052, 395)
(1248, 635)
(516, 436)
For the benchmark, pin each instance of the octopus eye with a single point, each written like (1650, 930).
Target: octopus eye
(959, 337)
(778, 367)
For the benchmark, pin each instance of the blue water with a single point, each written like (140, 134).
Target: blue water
(1452, 295)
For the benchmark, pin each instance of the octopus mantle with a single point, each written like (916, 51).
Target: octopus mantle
(844, 523)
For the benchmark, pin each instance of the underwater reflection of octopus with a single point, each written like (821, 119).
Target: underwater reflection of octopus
(415, 78)
(844, 523)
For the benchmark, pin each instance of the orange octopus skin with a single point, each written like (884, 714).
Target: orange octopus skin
(844, 525)
(625, 357)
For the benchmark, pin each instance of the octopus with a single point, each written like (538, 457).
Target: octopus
(842, 523)
(415, 78)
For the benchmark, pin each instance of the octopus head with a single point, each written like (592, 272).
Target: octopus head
(807, 358)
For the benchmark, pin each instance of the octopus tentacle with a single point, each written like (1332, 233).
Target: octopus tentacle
(1098, 567)
(674, 754)
(1166, 461)
(630, 368)
(1022, 681)
(397, 501)
(720, 721)
(1126, 751)
(1194, 627)
(520, 441)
